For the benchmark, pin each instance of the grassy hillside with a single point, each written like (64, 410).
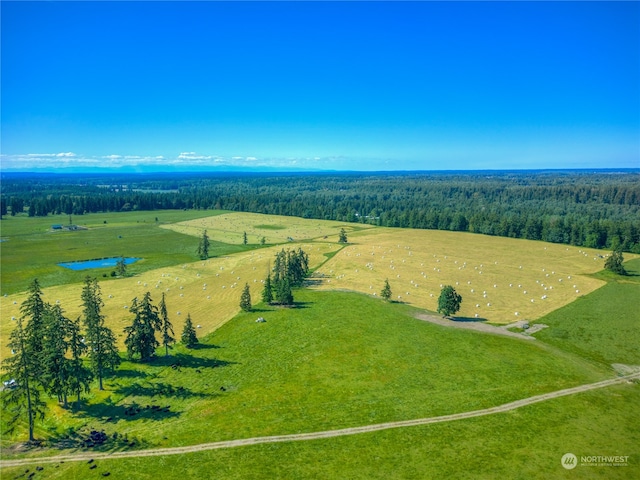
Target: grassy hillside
(320, 366)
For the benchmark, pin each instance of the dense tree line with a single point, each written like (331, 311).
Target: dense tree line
(595, 209)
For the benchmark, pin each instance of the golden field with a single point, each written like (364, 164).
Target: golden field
(501, 280)
(276, 229)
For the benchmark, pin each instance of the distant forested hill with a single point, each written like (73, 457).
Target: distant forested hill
(598, 209)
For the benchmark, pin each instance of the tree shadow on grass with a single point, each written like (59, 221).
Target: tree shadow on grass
(181, 360)
(152, 390)
(204, 346)
(133, 411)
(278, 306)
(127, 373)
(302, 304)
(87, 439)
(260, 310)
(467, 319)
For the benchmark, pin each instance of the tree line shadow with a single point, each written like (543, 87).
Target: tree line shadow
(181, 360)
(467, 319)
(159, 390)
(132, 411)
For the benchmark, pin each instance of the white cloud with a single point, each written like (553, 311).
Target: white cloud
(193, 156)
(51, 161)
(45, 155)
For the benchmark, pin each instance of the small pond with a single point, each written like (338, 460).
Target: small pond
(97, 263)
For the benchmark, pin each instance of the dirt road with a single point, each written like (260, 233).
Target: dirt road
(471, 325)
(84, 456)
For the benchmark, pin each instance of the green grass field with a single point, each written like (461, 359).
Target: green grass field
(31, 250)
(602, 326)
(343, 359)
(524, 444)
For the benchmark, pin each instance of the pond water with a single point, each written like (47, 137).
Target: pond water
(97, 263)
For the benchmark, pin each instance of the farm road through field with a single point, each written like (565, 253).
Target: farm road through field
(325, 434)
(471, 325)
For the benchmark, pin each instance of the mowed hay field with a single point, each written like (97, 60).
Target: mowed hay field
(208, 290)
(501, 280)
(275, 229)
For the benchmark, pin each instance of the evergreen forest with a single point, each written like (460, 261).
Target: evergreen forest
(598, 209)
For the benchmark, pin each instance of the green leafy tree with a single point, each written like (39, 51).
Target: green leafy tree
(613, 263)
(165, 326)
(267, 291)
(342, 237)
(101, 342)
(203, 246)
(188, 336)
(386, 291)
(245, 299)
(22, 368)
(263, 240)
(244, 238)
(449, 301)
(141, 334)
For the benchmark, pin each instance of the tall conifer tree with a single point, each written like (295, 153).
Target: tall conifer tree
(23, 367)
(165, 326)
(103, 353)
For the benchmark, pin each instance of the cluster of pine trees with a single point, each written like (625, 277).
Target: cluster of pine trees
(61, 357)
(48, 351)
(149, 319)
(289, 270)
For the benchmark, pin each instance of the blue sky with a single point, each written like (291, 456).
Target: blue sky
(323, 85)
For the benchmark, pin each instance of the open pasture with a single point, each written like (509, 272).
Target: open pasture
(338, 360)
(603, 326)
(527, 443)
(501, 280)
(209, 290)
(276, 229)
(31, 249)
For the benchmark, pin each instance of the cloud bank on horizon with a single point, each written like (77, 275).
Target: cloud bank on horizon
(320, 85)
